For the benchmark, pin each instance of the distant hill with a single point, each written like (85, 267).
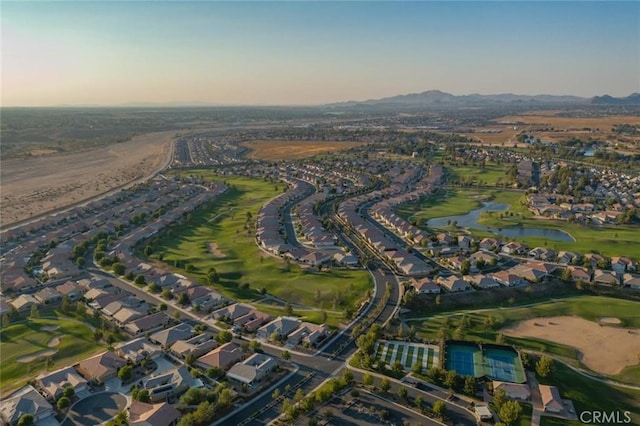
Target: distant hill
(436, 98)
(632, 99)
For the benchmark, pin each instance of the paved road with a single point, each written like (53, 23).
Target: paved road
(458, 415)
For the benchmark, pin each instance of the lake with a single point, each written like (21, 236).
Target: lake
(470, 220)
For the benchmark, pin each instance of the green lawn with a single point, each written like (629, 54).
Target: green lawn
(245, 269)
(606, 240)
(450, 202)
(588, 307)
(334, 319)
(27, 337)
(491, 173)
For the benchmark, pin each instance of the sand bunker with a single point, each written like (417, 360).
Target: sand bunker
(623, 345)
(54, 342)
(37, 355)
(610, 320)
(214, 250)
(49, 328)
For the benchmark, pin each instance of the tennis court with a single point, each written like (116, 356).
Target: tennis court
(466, 360)
(408, 354)
(504, 365)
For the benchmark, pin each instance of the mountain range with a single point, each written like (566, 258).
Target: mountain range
(437, 98)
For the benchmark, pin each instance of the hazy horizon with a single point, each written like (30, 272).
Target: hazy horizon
(312, 53)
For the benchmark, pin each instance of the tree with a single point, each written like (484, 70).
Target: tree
(213, 277)
(288, 309)
(141, 280)
(119, 420)
(367, 379)
(63, 402)
(65, 306)
(285, 355)
(224, 336)
(470, 385)
(465, 266)
(419, 402)
(254, 345)
(402, 392)
(417, 368)
(34, 312)
(544, 366)
(183, 299)
(397, 368)
(68, 391)
(140, 394)
(347, 377)
(499, 398)
(26, 420)
(166, 294)
(98, 334)
(385, 385)
(125, 372)
(5, 320)
(276, 394)
(299, 395)
(509, 412)
(439, 409)
(450, 379)
(118, 268)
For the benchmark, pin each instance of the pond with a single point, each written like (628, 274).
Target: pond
(470, 220)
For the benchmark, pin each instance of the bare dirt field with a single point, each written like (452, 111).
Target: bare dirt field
(622, 345)
(291, 150)
(547, 118)
(540, 123)
(44, 183)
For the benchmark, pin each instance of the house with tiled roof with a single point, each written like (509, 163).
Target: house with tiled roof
(144, 414)
(168, 384)
(169, 336)
(149, 323)
(551, 400)
(53, 384)
(424, 286)
(101, 367)
(221, 357)
(282, 326)
(26, 401)
(252, 371)
(195, 346)
(605, 277)
(138, 349)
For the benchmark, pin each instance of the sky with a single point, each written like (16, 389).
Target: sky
(300, 53)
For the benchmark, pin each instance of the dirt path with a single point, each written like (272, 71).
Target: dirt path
(623, 345)
(31, 187)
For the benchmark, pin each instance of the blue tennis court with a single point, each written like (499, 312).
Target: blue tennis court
(462, 363)
(501, 368)
(504, 366)
(463, 360)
